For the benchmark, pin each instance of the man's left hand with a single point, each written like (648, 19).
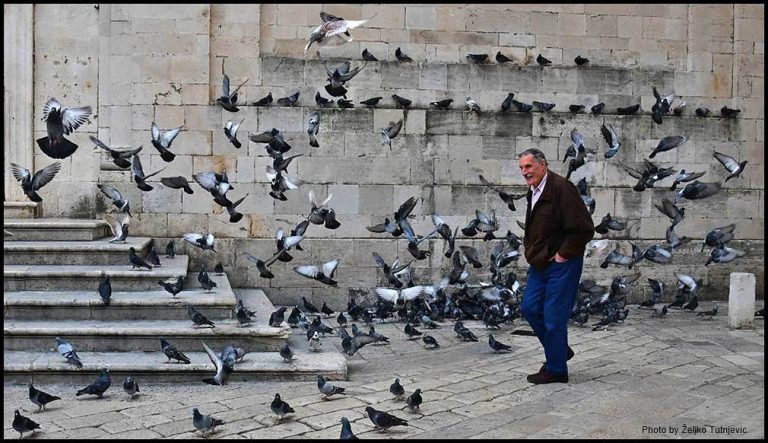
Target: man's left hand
(560, 259)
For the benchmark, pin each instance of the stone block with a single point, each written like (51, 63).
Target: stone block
(282, 71)
(495, 147)
(348, 121)
(465, 147)
(484, 77)
(521, 79)
(162, 200)
(283, 118)
(433, 76)
(418, 17)
(376, 200)
(741, 300)
(400, 75)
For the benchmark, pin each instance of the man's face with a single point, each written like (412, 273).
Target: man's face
(533, 172)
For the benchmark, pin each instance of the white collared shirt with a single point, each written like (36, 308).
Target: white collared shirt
(536, 191)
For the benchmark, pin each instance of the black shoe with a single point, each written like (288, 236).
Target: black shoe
(544, 377)
(570, 356)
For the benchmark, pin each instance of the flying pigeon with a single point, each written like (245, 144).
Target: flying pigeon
(224, 367)
(204, 423)
(202, 241)
(509, 199)
(120, 158)
(611, 138)
(333, 31)
(171, 352)
(390, 132)
(698, 190)
(99, 386)
(138, 174)
(351, 345)
(228, 100)
(671, 210)
(718, 237)
(178, 182)
(322, 274)
(731, 164)
(667, 143)
(611, 223)
(628, 110)
(32, 183)
(59, 122)
(230, 130)
(313, 126)
(683, 177)
(40, 398)
(162, 141)
(724, 254)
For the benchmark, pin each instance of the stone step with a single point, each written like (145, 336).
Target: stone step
(149, 305)
(149, 367)
(140, 335)
(82, 252)
(55, 229)
(87, 278)
(19, 210)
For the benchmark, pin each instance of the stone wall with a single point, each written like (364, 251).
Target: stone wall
(141, 63)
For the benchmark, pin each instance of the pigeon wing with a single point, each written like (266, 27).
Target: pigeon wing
(330, 267)
(110, 192)
(45, 175)
(167, 138)
(52, 103)
(72, 118)
(726, 160)
(20, 172)
(307, 270)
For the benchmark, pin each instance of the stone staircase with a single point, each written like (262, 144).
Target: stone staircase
(52, 269)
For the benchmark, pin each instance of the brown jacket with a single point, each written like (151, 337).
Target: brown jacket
(560, 223)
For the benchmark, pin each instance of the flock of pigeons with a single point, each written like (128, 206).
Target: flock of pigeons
(495, 302)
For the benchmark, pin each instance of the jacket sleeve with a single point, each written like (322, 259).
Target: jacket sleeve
(576, 221)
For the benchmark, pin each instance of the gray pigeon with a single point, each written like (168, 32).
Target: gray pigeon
(668, 143)
(351, 345)
(105, 290)
(171, 352)
(224, 368)
(31, 184)
(731, 164)
(40, 398)
(131, 387)
(120, 158)
(346, 430)
(611, 138)
(22, 424)
(383, 420)
(286, 352)
(242, 313)
(122, 204)
(698, 190)
(204, 242)
(119, 227)
(68, 351)
(497, 346)
(397, 389)
(162, 140)
(724, 254)
(178, 182)
(683, 177)
(390, 132)
(265, 101)
(230, 130)
(136, 261)
(718, 237)
(137, 172)
(204, 423)
(197, 318)
(327, 388)
(280, 408)
(228, 100)
(671, 210)
(60, 121)
(313, 126)
(413, 401)
(99, 386)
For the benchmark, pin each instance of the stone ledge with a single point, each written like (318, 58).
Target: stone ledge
(101, 245)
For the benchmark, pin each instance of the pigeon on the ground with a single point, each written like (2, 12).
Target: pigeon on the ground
(507, 103)
(442, 104)
(286, 352)
(351, 345)
(397, 389)
(105, 290)
(60, 121)
(68, 351)
(678, 110)
(346, 430)
(314, 342)
(371, 102)
(276, 318)
(693, 304)
(413, 401)
(120, 158)
(230, 130)
(264, 101)
(581, 61)
(243, 314)
(40, 398)
(152, 257)
(290, 100)
(170, 249)
(367, 56)
(411, 332)
(383, 420)
(326, 310)
(598, 108)
(668, 143)
(731, 164)
(660, 312)
(501, 58)
(30, 184)
(702, 112)
(522, 107)
(197, 318)
(322, 101)
(22, 424)
(541, 60)
(280, 408)
(204, 423)
(228, 100)
(172, 287)
(576, 108)
(402, 56)
(345, 104)
(162, 141)
(99, 386)
(136, 260)
(205, 280)
(333, 31)
(430, 341)
(202, 241)
(171, 352)
(224, 367)
(131, 387)
(544, 107)
(708, 314)
(472, 105)
(327, 388)
(219, 268)
(497, 346)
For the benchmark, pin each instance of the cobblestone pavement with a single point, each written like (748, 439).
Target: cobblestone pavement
(675, 377)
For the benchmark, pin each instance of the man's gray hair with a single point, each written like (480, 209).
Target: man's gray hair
(536, 153)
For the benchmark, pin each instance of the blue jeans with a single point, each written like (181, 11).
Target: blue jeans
(547, 304)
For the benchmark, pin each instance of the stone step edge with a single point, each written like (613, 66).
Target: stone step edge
(23, 362)
(180, 265)
(53, 223)
(122, 299)
(77, 246)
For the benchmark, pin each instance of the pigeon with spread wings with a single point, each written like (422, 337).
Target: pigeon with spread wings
(120, 158)
(32, 183)
(333, 31)
(60, 121)
(509, 199)
(228, 99)
(162, 140)
(323, 274)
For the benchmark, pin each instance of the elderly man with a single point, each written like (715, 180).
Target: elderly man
(557, 229)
